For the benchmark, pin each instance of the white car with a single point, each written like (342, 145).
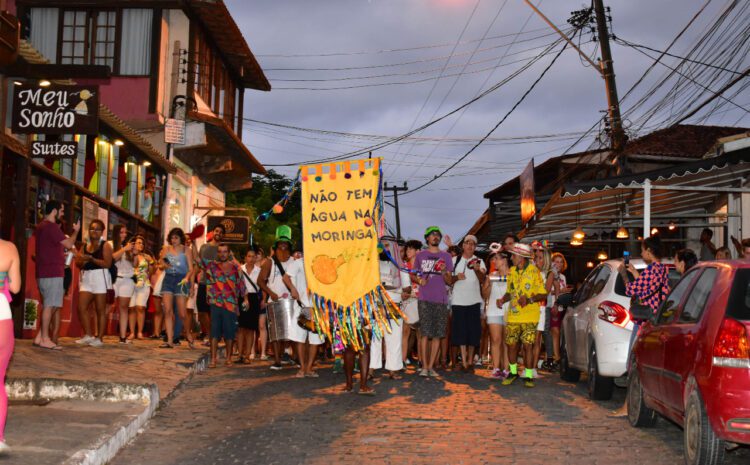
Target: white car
(596, 329)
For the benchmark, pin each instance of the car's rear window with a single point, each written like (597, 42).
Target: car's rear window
(739, 298)
(620, 284)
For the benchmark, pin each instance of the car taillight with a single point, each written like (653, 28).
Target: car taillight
(732, 348)
(614, 313)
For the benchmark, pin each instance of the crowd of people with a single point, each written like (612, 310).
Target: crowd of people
(459, 311)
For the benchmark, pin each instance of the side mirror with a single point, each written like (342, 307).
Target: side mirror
(566, 300)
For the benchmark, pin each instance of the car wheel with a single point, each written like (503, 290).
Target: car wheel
(600, 387)
(702, 446)
(638, 414)
(566, 372)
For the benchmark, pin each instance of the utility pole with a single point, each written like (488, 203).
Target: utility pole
(396, 190)
(608, 73)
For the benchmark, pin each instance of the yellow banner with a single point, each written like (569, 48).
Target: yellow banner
(340, 212)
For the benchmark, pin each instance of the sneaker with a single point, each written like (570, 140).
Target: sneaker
(338, 366)
(4, 448)
(286, 359)
(529, 382)
(85, 340)
(96, 342)
(424, 373)
(277, 366)
(506, 373)
(408, 362)
(509, 380)
(497, 373)
(433, 373)
(534, 373)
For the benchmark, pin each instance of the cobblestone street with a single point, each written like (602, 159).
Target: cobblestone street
(254, 415)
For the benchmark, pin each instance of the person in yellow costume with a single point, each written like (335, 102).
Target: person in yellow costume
(525, 292)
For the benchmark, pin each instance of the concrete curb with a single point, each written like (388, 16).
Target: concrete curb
(104, 448)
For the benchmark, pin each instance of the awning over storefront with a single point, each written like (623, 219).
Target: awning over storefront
(224, 161)
(675, 191)
(132, 137)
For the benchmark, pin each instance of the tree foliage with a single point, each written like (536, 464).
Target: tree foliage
(266, 192)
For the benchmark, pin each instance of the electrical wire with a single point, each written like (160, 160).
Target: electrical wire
(375, 147)
(374, 52)
(502, 120)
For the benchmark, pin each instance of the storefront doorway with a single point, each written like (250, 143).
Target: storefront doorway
(14, 175)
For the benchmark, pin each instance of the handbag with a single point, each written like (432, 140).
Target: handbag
(110, 289)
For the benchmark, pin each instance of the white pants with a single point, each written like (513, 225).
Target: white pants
(393, 361)
(300, 334)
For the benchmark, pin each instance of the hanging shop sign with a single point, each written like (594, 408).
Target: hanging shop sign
(174, 131)
(54, 150)
(55, 110)
(236, 228)
(528, 202)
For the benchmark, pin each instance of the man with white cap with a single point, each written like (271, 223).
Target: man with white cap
(525, 292)
(466, 302)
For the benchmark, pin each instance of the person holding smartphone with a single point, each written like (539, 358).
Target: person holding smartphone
(94, 260)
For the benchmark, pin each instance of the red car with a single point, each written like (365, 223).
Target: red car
(691, 361)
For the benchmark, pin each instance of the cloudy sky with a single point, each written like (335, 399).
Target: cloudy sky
(370, 68)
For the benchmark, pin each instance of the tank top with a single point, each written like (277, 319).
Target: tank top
(4, 297)
(125, 267)
(178, 264)
(98, 254)
(497, 290)
(275, 281)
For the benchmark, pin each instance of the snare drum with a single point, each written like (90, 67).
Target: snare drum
(281, 319)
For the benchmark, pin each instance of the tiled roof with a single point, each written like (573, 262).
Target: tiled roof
(687, 141)
(222, 28)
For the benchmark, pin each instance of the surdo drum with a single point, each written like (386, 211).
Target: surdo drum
(280, 319)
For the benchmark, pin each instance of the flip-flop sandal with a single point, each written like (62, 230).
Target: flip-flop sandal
(367, 392)
(312, 374)
(395, 376)
(212, 365)
(166, 346)
(54, 347)
(347, 389)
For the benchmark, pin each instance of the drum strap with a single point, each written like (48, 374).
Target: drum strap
(282, 272)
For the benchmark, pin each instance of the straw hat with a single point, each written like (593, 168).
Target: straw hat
(523, 250)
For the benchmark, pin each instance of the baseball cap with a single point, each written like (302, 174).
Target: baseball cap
(471, 237)
(432, 229)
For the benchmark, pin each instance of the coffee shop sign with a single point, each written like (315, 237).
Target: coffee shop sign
(55, 110)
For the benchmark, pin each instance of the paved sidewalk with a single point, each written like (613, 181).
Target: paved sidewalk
(137, 363)
(100, 397)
